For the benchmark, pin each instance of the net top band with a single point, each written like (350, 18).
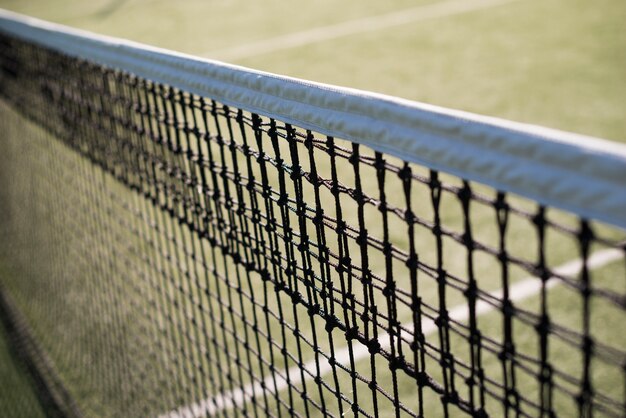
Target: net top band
(580, 174)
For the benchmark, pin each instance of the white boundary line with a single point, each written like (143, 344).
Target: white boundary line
(352, 27)
(518, 291)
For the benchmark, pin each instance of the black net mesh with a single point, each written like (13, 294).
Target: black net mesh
(167, 255)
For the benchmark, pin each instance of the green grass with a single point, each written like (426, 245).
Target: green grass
(17, 394)
(556, 63)
(116, 288)
(199, 26)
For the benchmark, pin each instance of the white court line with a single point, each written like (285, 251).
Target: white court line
(367, 24)
(519, 291)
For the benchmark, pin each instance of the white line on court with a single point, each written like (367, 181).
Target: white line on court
(367, 24)
(518, 291)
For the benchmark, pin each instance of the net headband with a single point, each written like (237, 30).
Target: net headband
(580, 174)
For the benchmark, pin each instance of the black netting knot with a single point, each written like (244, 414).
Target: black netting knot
(373, 346)
(352, 333)
(313, 309)
(296, 298)
(405, 172)
(397, 363)
(471, 291)
(332, 322)
(390, 289)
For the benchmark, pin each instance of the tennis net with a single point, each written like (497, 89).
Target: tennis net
(185, 238)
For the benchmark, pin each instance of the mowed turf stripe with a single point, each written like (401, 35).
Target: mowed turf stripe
(352, 27)
(519, 291)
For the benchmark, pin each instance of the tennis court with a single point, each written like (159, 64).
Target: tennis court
(182, 247)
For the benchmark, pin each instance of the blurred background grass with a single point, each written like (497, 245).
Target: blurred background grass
(559, 63)
(17, 393)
